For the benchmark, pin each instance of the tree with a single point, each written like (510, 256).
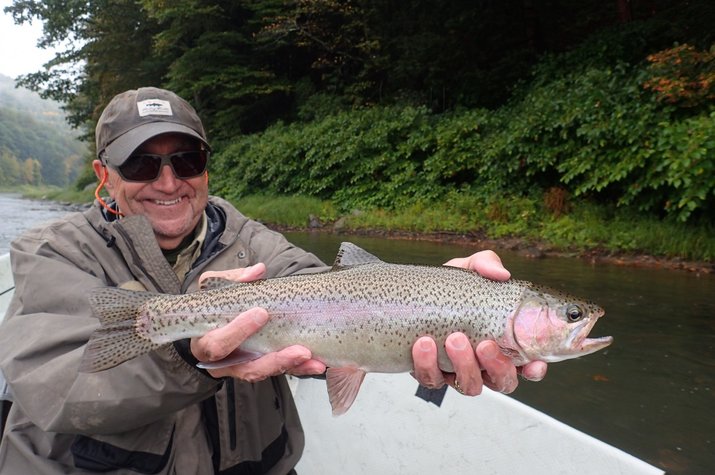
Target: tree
(32, 172)
(10, 169)
(215, 61)
(108, 49)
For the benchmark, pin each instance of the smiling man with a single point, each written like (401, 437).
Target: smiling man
(160, 231)
(169, 133)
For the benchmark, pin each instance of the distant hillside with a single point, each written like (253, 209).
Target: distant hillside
(36, 144)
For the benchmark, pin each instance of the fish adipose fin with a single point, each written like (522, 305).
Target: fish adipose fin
(343, 387)
(351, 255)
(117, 339)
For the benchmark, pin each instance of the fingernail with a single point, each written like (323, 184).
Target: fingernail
(510, 385)
(425, 345)
(458, 343)
(489, 352)
(260, 317)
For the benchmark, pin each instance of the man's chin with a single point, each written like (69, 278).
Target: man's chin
(172, 231)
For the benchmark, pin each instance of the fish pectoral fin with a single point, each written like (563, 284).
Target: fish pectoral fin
(237, 356)
(343, 387)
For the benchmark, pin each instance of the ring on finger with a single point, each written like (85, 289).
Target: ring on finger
(457, 387)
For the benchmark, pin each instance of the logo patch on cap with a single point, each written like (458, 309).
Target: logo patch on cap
(154, 107)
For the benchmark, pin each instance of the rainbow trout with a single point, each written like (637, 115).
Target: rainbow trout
(362, 316)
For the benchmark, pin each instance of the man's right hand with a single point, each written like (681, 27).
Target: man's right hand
(221, 342)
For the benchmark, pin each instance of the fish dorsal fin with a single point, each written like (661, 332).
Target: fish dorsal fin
(211, 283)
(352, 255)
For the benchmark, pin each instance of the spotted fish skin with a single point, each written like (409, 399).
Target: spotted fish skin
(371, 313)
(365, 314)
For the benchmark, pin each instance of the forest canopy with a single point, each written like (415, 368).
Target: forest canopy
(382, 103)
(37, 146)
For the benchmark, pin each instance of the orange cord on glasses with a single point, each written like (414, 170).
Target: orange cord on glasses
(99, 198)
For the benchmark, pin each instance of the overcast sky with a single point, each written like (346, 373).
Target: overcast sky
(18, 51)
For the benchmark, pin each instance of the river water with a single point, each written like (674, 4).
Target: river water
(651, 393)
(18, 214)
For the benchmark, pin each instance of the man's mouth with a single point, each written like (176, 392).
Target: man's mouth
(167, 202)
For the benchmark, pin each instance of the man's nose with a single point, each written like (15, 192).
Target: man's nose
(167, 180)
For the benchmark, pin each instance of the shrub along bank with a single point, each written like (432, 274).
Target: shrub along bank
(586, 155)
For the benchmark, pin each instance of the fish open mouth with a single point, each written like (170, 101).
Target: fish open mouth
(584, 345)
(590, 345)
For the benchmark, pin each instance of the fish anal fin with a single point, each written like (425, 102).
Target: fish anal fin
(343, 386)
(351, 255)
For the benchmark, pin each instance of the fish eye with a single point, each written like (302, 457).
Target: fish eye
(574, 313)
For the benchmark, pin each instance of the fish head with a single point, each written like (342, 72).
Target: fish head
(553, 326)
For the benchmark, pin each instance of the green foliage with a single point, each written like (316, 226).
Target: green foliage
(215, 62)
(105, 47)
(592, 226)
(595, 132)
(369, 156)
(288, 211)
(391, 100)
(587, 226)
(36, 145)
(599, 133)
(10, 169)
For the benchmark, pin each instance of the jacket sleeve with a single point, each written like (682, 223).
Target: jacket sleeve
(277, 253)
(42, 341)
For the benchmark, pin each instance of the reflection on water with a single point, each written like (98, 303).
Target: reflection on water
(652, 392)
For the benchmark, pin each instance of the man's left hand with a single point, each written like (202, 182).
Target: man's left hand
(484, 365)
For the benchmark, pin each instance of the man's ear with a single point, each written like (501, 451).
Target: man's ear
(98, 169)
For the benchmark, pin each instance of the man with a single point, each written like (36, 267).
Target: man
(161, 232)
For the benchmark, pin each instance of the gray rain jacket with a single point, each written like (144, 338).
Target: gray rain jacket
(156, 413)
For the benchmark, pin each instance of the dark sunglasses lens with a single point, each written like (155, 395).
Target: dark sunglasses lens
(146, 167)
(189, 164)
(141, 168)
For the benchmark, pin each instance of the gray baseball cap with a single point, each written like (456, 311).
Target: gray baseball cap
(133, 117)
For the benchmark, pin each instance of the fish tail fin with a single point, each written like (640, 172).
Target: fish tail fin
(343, 387)
(117, 339)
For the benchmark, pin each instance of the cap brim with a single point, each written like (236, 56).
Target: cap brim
(123, 146)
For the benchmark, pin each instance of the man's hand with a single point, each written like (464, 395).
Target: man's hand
(221, 342)
(473, 368)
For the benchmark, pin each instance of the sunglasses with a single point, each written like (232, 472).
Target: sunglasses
(146, 167)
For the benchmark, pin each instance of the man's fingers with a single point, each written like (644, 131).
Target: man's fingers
(499, 372)
(243, 274)
(424, 356)
(487, 263)
(271, 364)
(534, 371)
(309, 368)
(467, 377)
(219, 343)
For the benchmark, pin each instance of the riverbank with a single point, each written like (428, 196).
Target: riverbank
(588, 232)
(524, 247)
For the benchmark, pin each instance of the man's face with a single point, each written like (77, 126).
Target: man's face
(174, 206)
